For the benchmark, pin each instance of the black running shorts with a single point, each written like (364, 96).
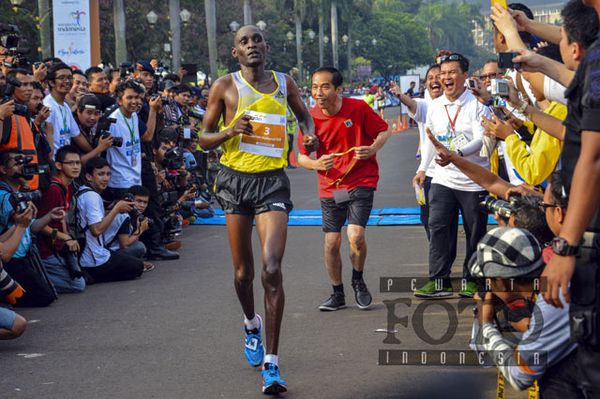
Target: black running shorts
(242, 193)
(356, 211)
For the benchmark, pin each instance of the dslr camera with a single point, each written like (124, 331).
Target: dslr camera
(6, 93)
(30, 169)
(173, 159)
(135, 214)
(20, 199)
(103, 131)
(503, 208)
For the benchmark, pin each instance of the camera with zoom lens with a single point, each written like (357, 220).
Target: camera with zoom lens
(503, 208)
(103, 131)
(6, 93)
(20, 199)
(173, 159)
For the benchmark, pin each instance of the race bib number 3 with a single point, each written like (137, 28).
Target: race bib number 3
(269, 135)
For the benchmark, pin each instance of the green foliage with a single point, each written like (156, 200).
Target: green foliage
(25, 20)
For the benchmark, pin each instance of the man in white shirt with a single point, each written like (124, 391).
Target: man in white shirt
(61, 127)
(455, 120)
(126, 160)
(96, 259)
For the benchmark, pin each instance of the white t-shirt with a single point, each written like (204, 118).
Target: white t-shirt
(466, 136)
(420, 116)
(91, 210)
(554, 91)
(64, 127)
(125, 161)
(110, 234)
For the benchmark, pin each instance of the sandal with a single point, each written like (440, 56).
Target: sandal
(148, 266)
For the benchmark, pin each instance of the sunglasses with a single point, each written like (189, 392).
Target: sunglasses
(452, 57)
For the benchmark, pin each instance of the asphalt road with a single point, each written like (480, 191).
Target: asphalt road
(177, 331)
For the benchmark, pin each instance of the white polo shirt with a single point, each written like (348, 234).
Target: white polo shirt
(420, 116)
(457, 124)
(125, 161)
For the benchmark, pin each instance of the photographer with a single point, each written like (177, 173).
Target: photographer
(20, 254)
(96, 260)
(126, 160)
(61, 127)
(512, 258)
(123, 235)
(58, 248)
(87, 115)
(17, 132)
(175, 113)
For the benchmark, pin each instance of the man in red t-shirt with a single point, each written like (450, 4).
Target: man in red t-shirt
(56, 243)
(350, 133)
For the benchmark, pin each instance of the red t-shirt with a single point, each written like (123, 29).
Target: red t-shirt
(355, 125)
(52, 198)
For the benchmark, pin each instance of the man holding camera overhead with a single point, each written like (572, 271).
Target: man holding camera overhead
(129, 131)
(455, 120)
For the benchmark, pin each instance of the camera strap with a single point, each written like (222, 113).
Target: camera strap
(132, 134)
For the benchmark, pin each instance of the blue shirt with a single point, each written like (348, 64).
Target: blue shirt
(6, 222)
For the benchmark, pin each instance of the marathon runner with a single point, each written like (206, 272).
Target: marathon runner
(350, 133)
(253, 186)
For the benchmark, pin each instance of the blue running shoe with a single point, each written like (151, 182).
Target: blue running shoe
(272, 381)
(253, 345)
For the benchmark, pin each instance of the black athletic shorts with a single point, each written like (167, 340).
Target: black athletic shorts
(356, 211)
(242, 193)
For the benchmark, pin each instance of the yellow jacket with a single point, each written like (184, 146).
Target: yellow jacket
(535, 163)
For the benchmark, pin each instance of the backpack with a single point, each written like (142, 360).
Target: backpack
(73, 216)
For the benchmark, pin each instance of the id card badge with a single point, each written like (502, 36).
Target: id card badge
(187, 133)
(341, 195)
(460, 141)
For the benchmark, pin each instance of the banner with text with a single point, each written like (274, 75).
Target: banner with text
(72, 42)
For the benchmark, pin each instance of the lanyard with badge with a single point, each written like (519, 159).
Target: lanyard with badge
(453, 141)
(64, 131)
(132, 133)
(341, 195)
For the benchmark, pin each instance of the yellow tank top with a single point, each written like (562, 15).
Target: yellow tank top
(268, 107)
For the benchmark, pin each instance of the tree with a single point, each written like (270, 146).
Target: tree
(45, 35)
(211, 36)
(120, 27)
(334, 33)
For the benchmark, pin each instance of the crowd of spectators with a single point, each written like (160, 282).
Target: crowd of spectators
(99, 171)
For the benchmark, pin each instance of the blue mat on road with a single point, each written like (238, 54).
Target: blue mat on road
(313, 217)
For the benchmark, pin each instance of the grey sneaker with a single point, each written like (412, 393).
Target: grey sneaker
(336, 301)
(361, 294)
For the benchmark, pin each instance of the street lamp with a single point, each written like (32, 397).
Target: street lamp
(290, 36)
(234, 26)
(262, 25)
(325, 39)
(185, 16)
(357, 42)
(152, 18)
(311, 34)
(16, 4)
(345, 39)
(374, 41)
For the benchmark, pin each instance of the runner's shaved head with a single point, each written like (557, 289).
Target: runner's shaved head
(248, 31)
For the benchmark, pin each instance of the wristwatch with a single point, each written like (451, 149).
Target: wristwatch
(522, 107)
(561, 247)
(459, 152)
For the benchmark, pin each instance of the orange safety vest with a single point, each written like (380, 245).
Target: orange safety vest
(23, 141)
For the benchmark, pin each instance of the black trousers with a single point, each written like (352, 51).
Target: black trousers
(584, 313)
(39, 292)
(120, 267)
(444, 205)
(561, 381)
